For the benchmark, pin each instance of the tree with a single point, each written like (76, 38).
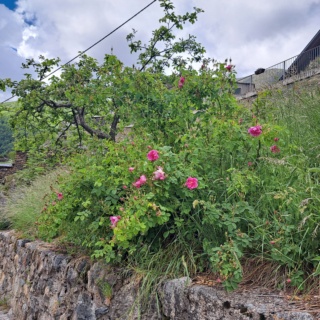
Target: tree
(163, 51)
(88, 97)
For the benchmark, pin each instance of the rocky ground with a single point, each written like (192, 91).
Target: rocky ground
(4, 314)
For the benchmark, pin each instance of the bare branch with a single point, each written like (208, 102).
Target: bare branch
(77, 125)
(113, 128)
(86, 127)
(57, 105)
(63, 132)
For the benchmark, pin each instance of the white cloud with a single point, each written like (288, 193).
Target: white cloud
(65, 27)
(27, 47)
(257, 33)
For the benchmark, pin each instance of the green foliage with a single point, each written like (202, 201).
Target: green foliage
(163, 51)
(214, 147)
(165, 110)
(249, 201)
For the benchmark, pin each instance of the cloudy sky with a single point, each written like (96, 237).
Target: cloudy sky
(253, 33)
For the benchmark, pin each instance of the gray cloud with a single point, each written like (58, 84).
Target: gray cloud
(11, 29)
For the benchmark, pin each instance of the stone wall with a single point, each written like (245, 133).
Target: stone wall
(40, 283)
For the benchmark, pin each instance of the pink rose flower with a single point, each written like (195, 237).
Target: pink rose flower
(137, 184)
(181, 82)
(289, 280)
(229, 67)
(114, 220)
(124, 187)
(255, 131)
(276, 139)
(141, 181)
(131, 169)
(191, 183)
(59, 196)
(159, 174)
(153, 155)
(250, 163)
(274, 149)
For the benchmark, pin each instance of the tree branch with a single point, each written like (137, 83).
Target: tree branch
(63, 132)
(86, 127)
(77, 125)
(56, 105)
(113, 128)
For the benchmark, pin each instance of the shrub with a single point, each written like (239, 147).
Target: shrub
(141, 196)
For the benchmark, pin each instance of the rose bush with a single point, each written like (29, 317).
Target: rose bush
(216, 187)
(191, 171)
(199, 188)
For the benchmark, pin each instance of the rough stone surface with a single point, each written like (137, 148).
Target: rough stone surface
(4, 316)
(40, 283)
(183, 302)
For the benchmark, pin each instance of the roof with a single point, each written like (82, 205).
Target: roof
(300, 63)
(309, 53)
(314, 42)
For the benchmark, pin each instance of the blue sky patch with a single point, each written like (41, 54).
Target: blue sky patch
(30, 21)
(11, 4)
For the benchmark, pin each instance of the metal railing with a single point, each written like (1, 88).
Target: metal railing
(301, 66)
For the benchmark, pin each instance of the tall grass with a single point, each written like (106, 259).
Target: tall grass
(25, 203)
(290, 194)
(297, 109)
(151, 269)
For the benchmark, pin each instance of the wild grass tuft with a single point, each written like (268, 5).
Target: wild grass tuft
(25, 203)
(151, 269)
